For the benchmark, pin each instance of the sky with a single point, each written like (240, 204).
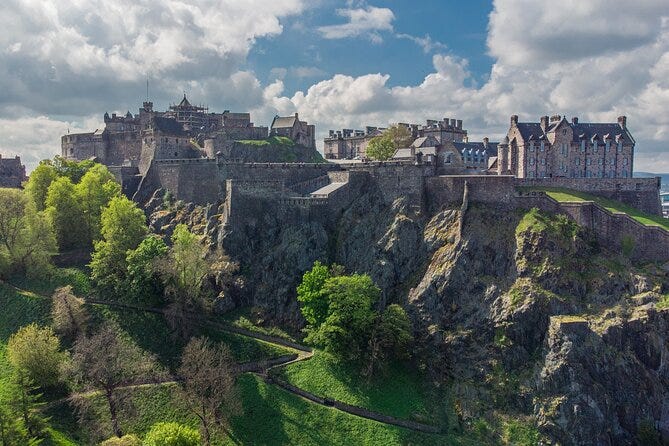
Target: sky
(340, 64)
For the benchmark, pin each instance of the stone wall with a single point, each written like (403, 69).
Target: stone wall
(190, 180)
(128, 177)
(448, 190)
(641, 193)
(396, 179)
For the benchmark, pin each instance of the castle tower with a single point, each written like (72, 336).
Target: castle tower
(503, 157)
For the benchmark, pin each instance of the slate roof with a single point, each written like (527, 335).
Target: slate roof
(402, 153)
(474, 146)
(169, 126)
(532, 130)
(425, 141)
(282, 122)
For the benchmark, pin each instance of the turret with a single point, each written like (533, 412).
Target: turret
(503, 156)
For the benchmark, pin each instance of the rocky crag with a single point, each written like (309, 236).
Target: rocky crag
(519, 313)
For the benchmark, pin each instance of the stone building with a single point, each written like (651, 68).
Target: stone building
(291, 127)
(349, 143)
(556, 147)
(471, 156)
(164, 138)
(12, 172)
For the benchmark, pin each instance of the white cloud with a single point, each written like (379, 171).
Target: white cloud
(307, 72)
(368, 21)
(426, 43)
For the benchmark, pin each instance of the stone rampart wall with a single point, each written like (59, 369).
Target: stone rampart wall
(448, 190)
(190, 180)
(396, 179)
(641, 193)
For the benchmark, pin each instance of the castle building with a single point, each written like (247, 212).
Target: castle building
(291, 126)
(350, 144)
(469, 156)
(12, 172)
(556, 147)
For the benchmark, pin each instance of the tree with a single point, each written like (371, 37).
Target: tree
(350, 316)
(184, 272)
(208, 387)
(313, 301)
(13, 430)
(400, 135)
(95, 190)
(35, 352)
(106, 361)
(65, 214)
(380, 148)
(39, 182)
(70, 318)
(72, 169)
(26, 239)
(126, 440)
(143, 282)
(171, 434)
(123, 227)
(390, 338)
(27, 404)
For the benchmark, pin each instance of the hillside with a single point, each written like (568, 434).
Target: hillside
(275, 149)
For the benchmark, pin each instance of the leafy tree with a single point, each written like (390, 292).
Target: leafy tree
(380, 148)
(171, 434)
(95, 190)
(26, 239)
(38, 184)
(123, 229)
(72, 169)
(12, 428)
(184, 272)
(70, 318)
(208, 386)
(35, 352)
(400, 135)
(126, 440)
(313, 301)
(390, 338)
(143, 282)
(64, 211)
(106, 361)
(350, 316)
(27, 404)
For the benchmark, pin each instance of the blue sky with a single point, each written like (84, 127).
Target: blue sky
(340, 64)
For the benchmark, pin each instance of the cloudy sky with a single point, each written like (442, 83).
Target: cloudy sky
(63, 63)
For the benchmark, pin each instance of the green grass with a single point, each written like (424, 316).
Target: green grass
(568, 195)
(251, 320)
(272, 140)
(664, 301)
(270, 416)
(401, 392)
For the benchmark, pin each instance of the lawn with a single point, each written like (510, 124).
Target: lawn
(270, 416)
(272, 140)
(249, 319)
(568, 195)
(400, 392)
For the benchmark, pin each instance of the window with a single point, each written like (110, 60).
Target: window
(543, 161)
(612, 162)
(595, 147)
(624, 174)
(542, 146)
(608, 146)
(624, 161)
(600, 161)
(531, 175)
(620, 146)
(612, 174)
(578, 161)
(589, 163)
(532, 146)
(583, 146)
(531, 161)
(564, 149)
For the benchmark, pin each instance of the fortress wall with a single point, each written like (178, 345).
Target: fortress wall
(613, 231)
(641, 193)
(288, 173)
(395, 179)
(123, 146)
(448, 190)
(187, 179)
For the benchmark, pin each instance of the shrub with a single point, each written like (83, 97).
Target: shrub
(171, 434)
(35, 351)
(126, 440)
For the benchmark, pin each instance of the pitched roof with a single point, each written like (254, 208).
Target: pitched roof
(491, 150)
(533, 130)
(282, 122)
(403, 153)
(425, 141)
(184, 102)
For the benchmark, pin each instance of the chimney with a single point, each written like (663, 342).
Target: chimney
(574, 120)
(296, 116)
(622, 121)
(556, 118)
(452, 122)
(514, 120)
(544, 123)
(459, 123)
(485, 142)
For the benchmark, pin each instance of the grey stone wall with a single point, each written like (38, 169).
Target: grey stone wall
(448, 190)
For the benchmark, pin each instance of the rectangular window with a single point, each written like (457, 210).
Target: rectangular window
(531, 161)
(624, 161)
(608, 145)
(532, 146)
(589, 163)
(583, 146)
(620, 146)
(578, 161)
(543, 161)
(542, 146)
(612, 162)
(595, 146)
(600, 161)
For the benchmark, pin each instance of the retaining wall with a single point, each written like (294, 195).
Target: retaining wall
(448, 190)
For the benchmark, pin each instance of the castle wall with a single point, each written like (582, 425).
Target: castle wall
(121, 147)
(189, 180)
(448, 190)
(396, 179)
(641, 193)
(128, 177)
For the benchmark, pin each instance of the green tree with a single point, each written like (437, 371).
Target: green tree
(65, 214)
(348, 325)
(38, 184)
(27, 404)
(171, 434)
(70, 318)
(390, 338)
(12, 428)
(380, 148)
(72, 169)
(313, 301)
(126, 440)
(106, 361)
(35, 352)
(26, 239)
(143, 283)
(95, 190)
(400, 135)
(123, 227)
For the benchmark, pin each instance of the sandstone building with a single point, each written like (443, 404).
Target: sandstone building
(291, 127)
(556, 147)
(12, 172)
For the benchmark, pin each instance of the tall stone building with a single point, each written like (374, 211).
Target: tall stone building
(556, 147)
(299, 131)
(12, 172)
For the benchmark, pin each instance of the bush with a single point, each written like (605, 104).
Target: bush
(126, 440)
(171, 434)
(35, 351)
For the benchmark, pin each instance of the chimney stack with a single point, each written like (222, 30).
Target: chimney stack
(459, 123)
(574, 120)
(514, 119)
(622, 121)
(485, 142)
(544, 123)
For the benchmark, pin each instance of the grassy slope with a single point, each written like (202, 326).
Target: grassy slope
(567, 195)
(400, 392)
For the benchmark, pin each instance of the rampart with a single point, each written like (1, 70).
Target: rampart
(187, 179)
(490, 189)
(641, 193)
(397, 179)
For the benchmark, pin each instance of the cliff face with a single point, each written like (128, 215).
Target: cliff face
(519, 313)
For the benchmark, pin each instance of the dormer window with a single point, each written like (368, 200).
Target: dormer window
(594, 146)
(583, 146)
(608, 145)
(543, 146)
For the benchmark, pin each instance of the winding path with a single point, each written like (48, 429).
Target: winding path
(260, 368)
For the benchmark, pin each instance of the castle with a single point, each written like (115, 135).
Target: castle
(12, 172)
